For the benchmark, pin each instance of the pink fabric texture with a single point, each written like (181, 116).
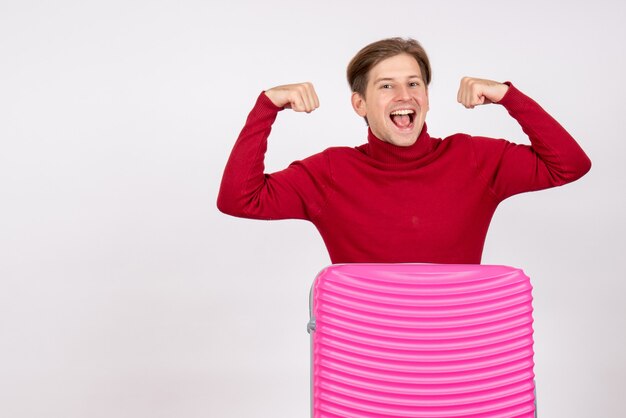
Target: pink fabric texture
(422, 340)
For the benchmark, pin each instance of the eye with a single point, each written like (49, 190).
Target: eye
(385, 86)
(414, 84)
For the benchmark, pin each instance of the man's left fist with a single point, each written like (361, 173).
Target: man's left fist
(476, 91)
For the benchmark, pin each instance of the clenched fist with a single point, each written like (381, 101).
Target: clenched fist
(476, 91)
(300, 97)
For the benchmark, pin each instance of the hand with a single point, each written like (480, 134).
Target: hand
(300, 97)
(476, 91)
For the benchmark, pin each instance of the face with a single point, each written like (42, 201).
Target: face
(396, 100)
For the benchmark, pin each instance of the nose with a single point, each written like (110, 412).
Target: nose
(403, 93)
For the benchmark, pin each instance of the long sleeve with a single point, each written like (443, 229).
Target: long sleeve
(297, 192)
(553, 158)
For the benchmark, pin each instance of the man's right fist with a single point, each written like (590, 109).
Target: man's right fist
(300, 97)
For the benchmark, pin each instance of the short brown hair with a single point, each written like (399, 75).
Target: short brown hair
(360, 66)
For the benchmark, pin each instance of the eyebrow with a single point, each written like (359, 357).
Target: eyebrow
(378, 80)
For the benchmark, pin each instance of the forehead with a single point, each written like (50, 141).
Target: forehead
(397, 67)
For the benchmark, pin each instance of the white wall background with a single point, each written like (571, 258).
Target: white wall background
(125, 293)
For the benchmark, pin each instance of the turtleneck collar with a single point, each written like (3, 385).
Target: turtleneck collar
(387, 153)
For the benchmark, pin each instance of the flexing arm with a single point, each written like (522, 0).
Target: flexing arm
(553, 158)
(295, 192)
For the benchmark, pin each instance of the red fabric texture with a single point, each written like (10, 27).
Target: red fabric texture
(431, 202)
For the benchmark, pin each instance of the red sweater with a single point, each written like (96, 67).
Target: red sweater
(430, 202)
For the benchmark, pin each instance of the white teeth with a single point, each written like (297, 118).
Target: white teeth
(402, 112)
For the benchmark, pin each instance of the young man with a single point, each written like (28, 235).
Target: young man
(404, 196)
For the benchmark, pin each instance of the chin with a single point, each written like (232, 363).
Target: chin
(393, 136)
(403, 141)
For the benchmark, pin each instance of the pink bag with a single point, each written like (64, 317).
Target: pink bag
(422, 340)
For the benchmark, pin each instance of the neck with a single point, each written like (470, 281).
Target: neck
(386, 152)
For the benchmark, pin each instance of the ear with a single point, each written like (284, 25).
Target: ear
(358, 104)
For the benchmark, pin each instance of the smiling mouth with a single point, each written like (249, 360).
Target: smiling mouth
(403, 118)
